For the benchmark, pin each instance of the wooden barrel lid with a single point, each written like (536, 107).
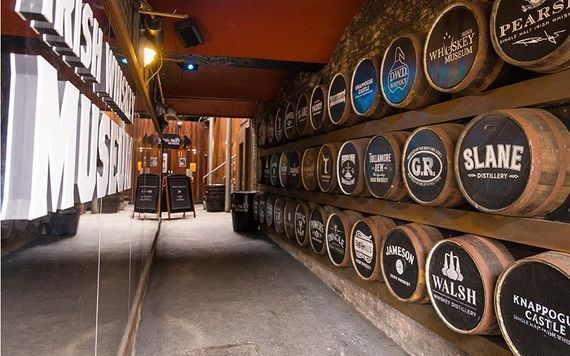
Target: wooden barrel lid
(294, 180)
(274, 169)
(428, 165)
(255, 206)
(404, 251)
(262, 133)
(458, 54)
(283, 169)
(349, 167)
(269, 207)
(280, 125)
(318, 112)
(461, 273)
(403, 81)
(259, 169)
(366, 99)
(366, 241)
(261, 210)
(532, 34)
(382, 161)
(532, 304)
(279, 215)
(309, 169)
(514, 162)
(302, 122)
(289, 122)
(326, 167)
(289, 217)
(338, 228)
(302, 212)
(270, 131)
(338, 98)
(317, 228)
(266, 173)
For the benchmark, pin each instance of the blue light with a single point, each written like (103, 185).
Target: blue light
(190, 66)
(123, 60)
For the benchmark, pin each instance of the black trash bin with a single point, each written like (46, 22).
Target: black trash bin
(242, 211)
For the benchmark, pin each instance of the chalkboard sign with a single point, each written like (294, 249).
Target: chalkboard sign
(148, 186)
(179, 194)
(172, 141)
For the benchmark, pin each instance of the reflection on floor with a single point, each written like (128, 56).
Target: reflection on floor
(215, 292)
(49, 287)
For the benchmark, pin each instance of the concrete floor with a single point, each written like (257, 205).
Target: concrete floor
(49, 287)
(216, 292)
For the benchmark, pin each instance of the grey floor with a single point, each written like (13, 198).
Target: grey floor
(215, 292)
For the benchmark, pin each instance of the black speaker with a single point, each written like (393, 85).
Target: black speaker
(189, 32)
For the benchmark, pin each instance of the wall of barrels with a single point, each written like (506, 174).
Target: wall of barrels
(440, 169)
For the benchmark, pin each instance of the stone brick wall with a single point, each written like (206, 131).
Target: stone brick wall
(370, 32)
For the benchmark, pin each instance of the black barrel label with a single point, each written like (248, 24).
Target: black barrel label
(425, 165)
(325, 169)
(528, 30)
(363, 249)
(280, 125)
(302, 114)
(399, 70)
(269, 204)
(400, 264)
(380, 166)
(283, 169)
(261, 210)
(266, 170)
(289, 123)
(337, 98)
(278, 214)
(300, 223)
(316, 230)
(455, 286)
(348, 171)
(274, 169)
(494, 162)
(318, 114)
(255, 206)
(452, 47)
(289, 218)
(294, 169)
(364, 86)
(336, 239)
(535, 309)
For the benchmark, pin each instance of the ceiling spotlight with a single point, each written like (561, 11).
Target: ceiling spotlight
(123, 60)
(149, 55)
(188, 66)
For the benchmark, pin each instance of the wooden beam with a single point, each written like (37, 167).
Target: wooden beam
(118, 22)
(213, 107)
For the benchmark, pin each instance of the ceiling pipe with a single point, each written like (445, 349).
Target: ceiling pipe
(164, 14)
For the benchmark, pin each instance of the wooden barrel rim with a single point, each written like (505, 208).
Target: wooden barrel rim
(416, 42)
(547, 258)
(347, 106)
(480, 56)
(377, 97)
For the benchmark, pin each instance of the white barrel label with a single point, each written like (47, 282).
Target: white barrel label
(400, 264)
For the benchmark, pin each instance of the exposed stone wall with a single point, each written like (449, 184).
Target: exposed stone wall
(370, 32)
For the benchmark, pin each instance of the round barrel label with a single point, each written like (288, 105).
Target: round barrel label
(425, 165)
(380, 166)
(363, 249)
(283, 169)
(278, 215)
(302, 114)
(269, 203)
(399, 70)
(364, 86)
(455, 286)
(255, 206)
(452, 47)
(289, 218)
(400, 264)
(534, 309)
(337, 98)
(494, 162)
(294, 169)
(274, 169)
(309, 169)
(348, 171)
(528, 30)
(289, 123)
(336, 239)
(270, 129)
(325, 169)
(300, 223)
(261, 210)
(266, 170)
(316, 230)
(280, 125)
(318, 108)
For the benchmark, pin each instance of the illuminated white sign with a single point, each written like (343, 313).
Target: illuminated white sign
(56, 140)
